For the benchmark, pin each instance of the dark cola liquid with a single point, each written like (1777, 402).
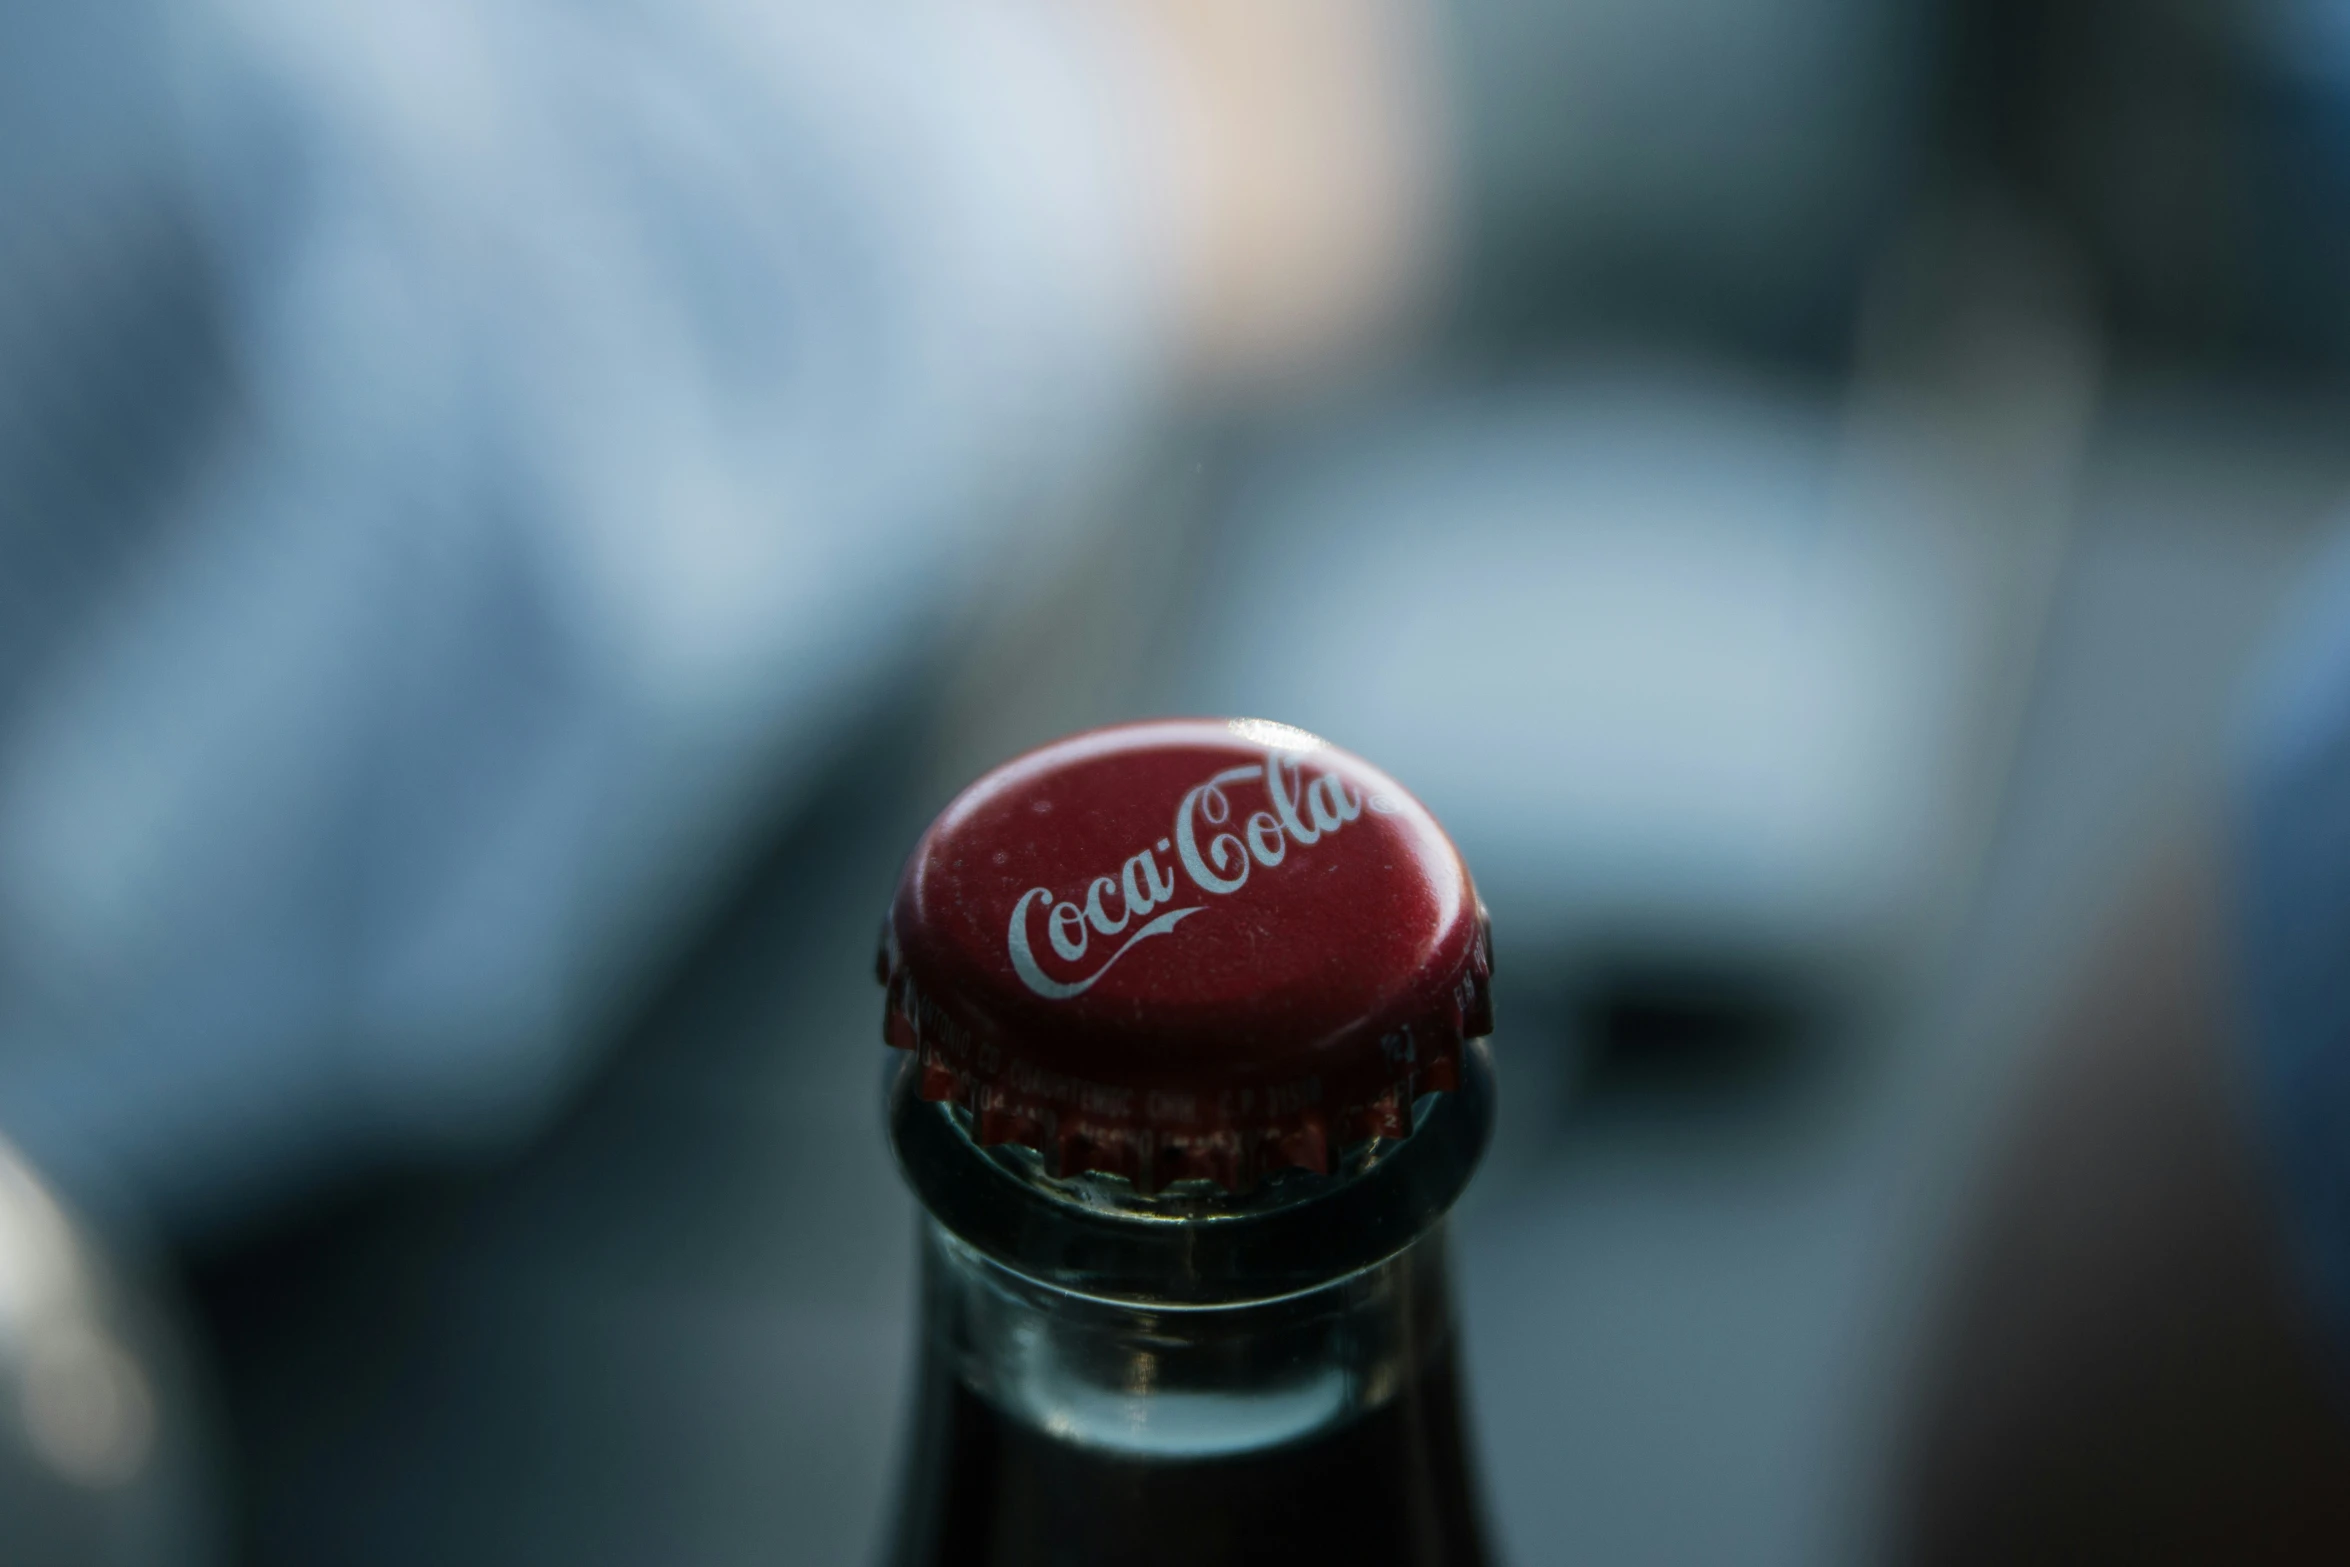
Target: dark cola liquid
(1388, 1489)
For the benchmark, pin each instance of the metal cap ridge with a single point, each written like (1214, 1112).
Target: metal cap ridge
(1186, 948)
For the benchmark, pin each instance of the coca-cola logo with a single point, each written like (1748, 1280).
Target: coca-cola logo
(1210, 844)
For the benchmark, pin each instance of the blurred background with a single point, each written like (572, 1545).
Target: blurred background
(513, 515)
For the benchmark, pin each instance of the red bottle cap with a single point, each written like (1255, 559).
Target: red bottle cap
(1186, 948)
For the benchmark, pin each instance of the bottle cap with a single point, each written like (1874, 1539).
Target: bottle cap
(1184, 949)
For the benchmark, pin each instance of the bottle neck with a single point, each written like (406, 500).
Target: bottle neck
(1194, 1245)
(1193, 1376)
(1156, 1382)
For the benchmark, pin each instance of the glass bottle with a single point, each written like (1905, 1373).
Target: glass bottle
(1192, 1305)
